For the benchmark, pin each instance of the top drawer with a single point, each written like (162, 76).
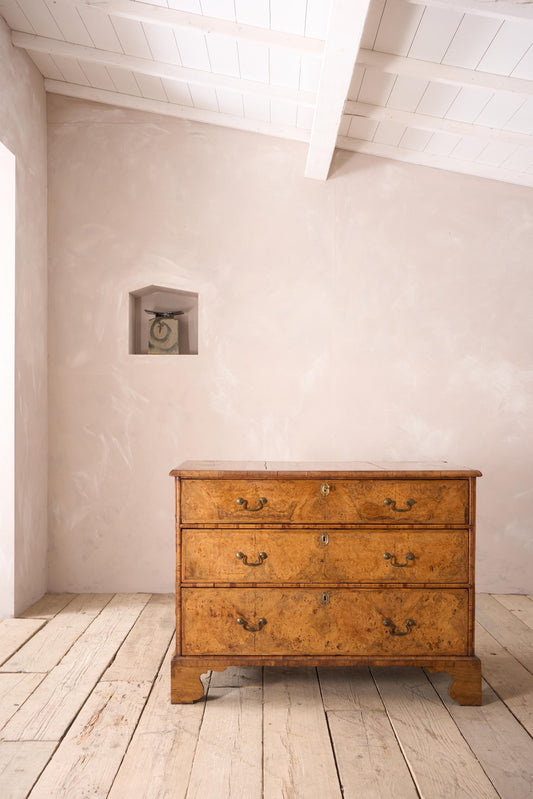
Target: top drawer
(308, 501)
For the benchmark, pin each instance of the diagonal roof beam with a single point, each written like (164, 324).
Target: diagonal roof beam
(173, 18)
(437, 161)
(144, 66)
(501, 9)
(436, 124)
(346, 23)
(444, 73)
(119, 100)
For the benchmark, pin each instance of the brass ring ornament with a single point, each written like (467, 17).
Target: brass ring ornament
(260, 558)
(392, 559)
(392, 503)
(244, 502)
(392, 627)
(260, 624)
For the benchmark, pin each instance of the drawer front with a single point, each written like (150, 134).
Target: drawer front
(252, 501)
(374, 622)
(308, 501)
(324, 556)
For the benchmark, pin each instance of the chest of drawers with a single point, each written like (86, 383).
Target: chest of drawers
(324, 564)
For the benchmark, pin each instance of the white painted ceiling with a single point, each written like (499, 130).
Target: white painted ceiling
(447, 83)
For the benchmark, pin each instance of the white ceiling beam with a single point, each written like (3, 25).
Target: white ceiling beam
(501, 9)
(435, 161)
(171, 17)
(174, 110)
(443, 73)
(436, 124)
(346, 23)
(144, 66)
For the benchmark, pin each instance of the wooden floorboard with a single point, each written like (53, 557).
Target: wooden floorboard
(515, 635)
(227, 760)
(158, 762)
(14, 633)
(502, 746)
(439, 758)
(45, 649)
(369, 757)
(521, 606)
(85, 712)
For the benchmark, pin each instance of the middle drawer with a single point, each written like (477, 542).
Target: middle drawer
(324, 556)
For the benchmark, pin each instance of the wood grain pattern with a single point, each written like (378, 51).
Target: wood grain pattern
(220, 470)
(14, 633)
(301, 556)
(503, 747)
(510, 680)
(465, 687)
(14, 690)
(358, 723)
(20, 765)
(438, 756)
(379, 770)
(87, 759)
(51, 708)
(186, 683)
(383, 743)
(140, 656)
(520, 606)
(46, 648)
(516, 636)
(299, 622)
(159, 759)
(349, 501)
(229, 758)
(47, 606)
(297, 763)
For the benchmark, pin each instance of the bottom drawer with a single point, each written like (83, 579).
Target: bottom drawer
(276, 621)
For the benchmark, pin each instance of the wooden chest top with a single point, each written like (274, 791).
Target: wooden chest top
(217, 470)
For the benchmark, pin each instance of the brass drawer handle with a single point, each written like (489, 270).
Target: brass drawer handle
(392, 559)
(260, 558)
(260, 624)
(392, 627)
(244, 502)
(392, 503)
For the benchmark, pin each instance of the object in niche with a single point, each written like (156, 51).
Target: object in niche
(163, 338)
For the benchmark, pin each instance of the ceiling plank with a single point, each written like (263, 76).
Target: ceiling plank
(435, 124)
(443, 73)
(436, 161)
(501, 9)
(173, 110)
(171, 17)
(346, 24)
(145, 66)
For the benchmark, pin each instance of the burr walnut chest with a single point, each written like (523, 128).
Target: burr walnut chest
(309, 564)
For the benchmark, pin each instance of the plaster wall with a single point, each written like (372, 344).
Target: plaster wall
(23, 132)
(7, 382)
(385, 314)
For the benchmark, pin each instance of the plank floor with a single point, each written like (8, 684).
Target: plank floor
(85, 712)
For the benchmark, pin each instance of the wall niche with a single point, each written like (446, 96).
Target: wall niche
(163, 300)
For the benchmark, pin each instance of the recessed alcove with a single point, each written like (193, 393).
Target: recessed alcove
(164, 300)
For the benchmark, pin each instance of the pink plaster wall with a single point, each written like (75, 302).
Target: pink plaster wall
(23, 132)
(385, 314)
